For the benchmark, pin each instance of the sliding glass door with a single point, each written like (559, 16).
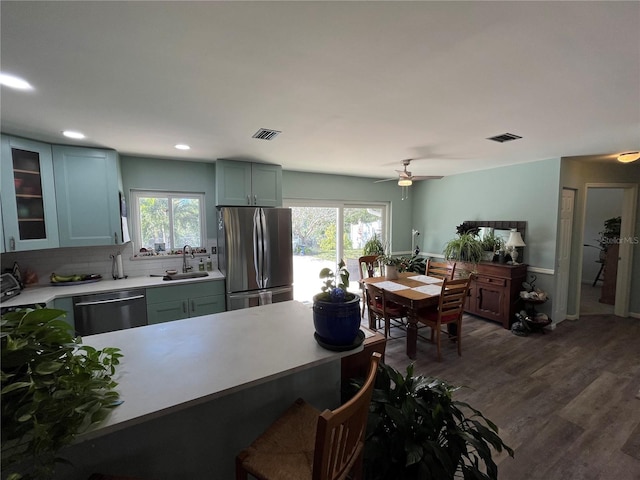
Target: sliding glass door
(324, 233)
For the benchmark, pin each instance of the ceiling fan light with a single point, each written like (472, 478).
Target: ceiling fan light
(405, 182)
(628, 157)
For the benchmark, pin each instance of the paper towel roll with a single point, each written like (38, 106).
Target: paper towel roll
(119, 264)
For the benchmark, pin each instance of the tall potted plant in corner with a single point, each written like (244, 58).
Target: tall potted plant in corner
(336, 311)
(53, 388)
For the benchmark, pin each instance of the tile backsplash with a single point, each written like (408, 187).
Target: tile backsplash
(95, 260)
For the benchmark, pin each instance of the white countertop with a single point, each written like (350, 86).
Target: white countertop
(174, 365)
(45, 293)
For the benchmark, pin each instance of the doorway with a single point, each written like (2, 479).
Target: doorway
(604, 202)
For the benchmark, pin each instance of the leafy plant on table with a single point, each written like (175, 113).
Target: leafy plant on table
(415, 430)
(332, 292)
(53, 388)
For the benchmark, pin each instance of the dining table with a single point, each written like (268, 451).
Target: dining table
(413, 291)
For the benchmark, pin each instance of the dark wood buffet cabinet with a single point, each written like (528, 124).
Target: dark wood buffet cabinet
(494, 293)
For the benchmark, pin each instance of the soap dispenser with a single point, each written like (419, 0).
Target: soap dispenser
(201, 266)
(209, 264)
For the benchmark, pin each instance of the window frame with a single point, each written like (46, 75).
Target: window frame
(136, 194)
(341, 205)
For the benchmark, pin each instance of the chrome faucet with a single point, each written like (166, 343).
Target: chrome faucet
(185, 267)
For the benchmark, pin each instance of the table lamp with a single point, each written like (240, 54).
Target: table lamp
(515, 240)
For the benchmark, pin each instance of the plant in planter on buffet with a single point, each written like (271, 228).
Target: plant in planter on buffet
(336, 311)
(491, 244)
(53, 388)
(464, 247)
(415, 430)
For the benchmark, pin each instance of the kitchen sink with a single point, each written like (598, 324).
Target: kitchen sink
(182, 276)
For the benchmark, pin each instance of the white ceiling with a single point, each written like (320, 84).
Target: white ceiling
(355, 87)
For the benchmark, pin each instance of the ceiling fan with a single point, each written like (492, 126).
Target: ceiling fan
(405, 178)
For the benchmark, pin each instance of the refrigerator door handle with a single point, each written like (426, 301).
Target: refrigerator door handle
(258, 253)
(264, 266)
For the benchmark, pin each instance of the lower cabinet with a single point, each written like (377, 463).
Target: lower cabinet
(494, 293)
(165, 304)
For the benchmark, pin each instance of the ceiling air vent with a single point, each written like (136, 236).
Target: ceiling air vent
(505, 137)
(266, 134)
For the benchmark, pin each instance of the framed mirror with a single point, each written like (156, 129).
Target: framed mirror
(501, 228)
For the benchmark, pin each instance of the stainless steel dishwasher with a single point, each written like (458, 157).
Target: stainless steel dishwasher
(106, 312)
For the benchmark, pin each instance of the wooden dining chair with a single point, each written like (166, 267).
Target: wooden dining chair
(367, 269)
(449, 311)
(440, 269)
(381, 308)
(306, 444)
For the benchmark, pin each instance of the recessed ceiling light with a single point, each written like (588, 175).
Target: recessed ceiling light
(73, 134)
(628, 157)
(12, 81)
(182, 146)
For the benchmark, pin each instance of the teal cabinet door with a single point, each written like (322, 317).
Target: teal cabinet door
(66, 304)
(87, 196)
(28, 196)
(266, 184)
(206, 305)
(233, 183)
(167, 311)
(165, 304)
(248, 184)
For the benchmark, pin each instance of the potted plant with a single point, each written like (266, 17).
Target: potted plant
(491, 244)
(415, 430)
(336, 311)
(464, 247)
(373, 246)
(53, 388)
(392, 265)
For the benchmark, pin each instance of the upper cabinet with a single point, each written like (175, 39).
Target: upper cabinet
(245, 183)
(28, 196)
(87, 196)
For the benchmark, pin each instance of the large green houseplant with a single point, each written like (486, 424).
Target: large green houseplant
(53, 388)
(373, 246)
(336, 311)
(416, 431)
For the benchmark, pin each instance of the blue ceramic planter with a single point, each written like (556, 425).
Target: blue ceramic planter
(337, 323)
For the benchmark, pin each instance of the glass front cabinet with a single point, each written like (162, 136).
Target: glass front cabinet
(28, 198)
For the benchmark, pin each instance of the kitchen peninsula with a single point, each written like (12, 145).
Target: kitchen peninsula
(196, 391)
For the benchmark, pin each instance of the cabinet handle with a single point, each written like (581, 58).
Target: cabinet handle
(255, 199)
(12, 244)
(184, 306)
(115, 237)
(248, 199)
(193, 306)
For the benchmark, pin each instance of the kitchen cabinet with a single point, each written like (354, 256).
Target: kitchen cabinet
(28, 196)
(246, 183)
(165, 304)
(87, 196)
(494, 292)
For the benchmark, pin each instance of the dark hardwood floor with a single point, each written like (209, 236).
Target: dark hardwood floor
(567, 402)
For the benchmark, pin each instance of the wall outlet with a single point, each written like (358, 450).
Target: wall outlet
(214, 250)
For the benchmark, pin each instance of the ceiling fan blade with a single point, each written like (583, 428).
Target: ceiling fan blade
(403, 174)
(427, 177)
(385, 180)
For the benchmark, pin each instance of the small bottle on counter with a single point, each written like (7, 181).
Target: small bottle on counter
(209, 264)
(201, 266)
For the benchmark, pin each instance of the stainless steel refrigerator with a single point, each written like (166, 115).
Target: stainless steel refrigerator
(254, 254)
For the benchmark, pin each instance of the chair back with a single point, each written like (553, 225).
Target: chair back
(340, 433)
(452, 298)
(367, 265)
(440, 269)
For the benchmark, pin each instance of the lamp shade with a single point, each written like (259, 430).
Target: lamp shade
(515, 239)
(628, 157)
(404, 182)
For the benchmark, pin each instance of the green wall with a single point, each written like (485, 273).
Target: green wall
(172, 175)
(526, 192)
(314, 186)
